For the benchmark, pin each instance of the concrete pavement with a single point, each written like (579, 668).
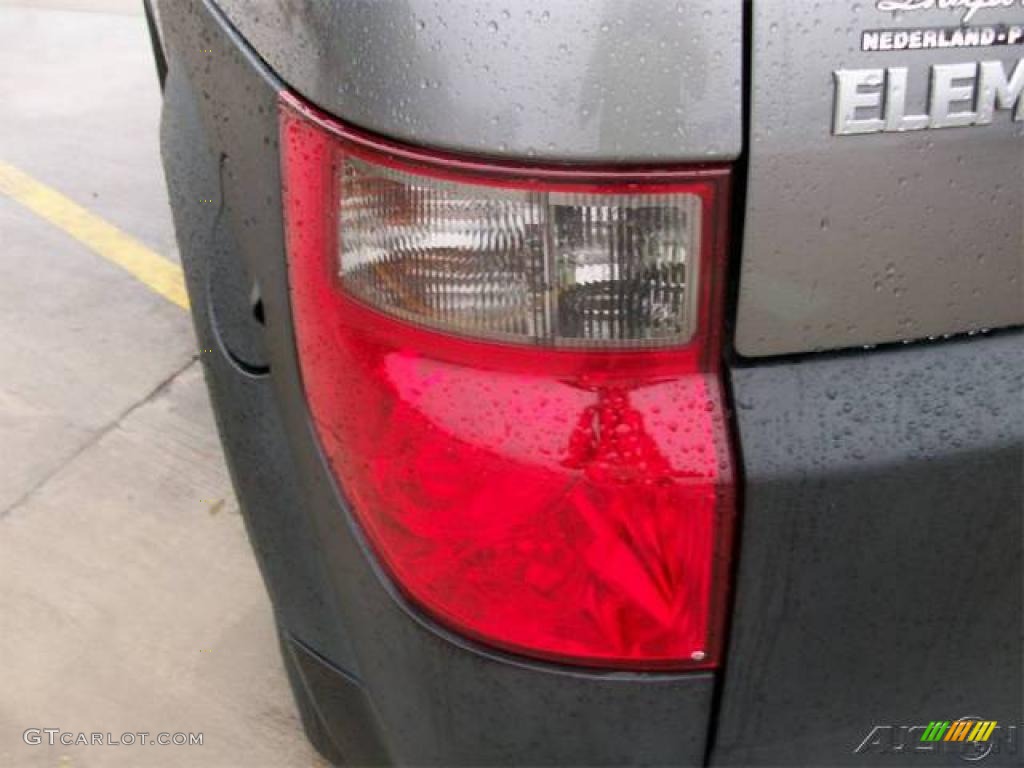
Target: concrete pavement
(130, 600)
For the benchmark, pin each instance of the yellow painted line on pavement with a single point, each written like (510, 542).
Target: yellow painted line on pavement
(161, 275)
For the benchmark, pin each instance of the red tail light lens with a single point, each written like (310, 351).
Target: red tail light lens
(514, 375)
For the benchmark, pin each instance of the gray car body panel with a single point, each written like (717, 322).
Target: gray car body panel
(857, 240)
(611, 82)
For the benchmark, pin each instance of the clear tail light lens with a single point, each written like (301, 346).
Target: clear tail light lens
(513, 373)
(519, 265)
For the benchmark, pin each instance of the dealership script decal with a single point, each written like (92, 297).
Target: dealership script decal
(878, 99)
(967, 7)
(928, 38)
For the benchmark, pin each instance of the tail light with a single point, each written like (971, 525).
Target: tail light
(513, 372)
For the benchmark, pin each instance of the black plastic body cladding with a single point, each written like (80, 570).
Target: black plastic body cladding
(880, 555)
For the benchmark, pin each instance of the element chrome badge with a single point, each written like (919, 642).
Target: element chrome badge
(875, 100)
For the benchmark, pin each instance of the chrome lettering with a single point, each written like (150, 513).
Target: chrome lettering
(896, 119)
(995, 91)
(850, 97)
(946, 92)
(968, 93)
